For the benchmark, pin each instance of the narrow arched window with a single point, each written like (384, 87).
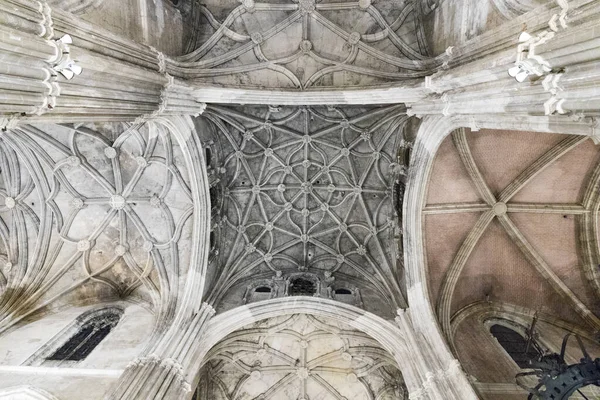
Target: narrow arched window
(343, 291)
(301, 287)
(207, 154)
(515, 345)
(344, 295)
(212, 240)
(261, 293)
(214, 196)
(89, 335)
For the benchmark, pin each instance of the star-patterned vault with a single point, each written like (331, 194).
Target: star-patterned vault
(310, 189)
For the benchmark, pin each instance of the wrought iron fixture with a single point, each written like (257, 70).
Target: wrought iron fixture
(558, 380)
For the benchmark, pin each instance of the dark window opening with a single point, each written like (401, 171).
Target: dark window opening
(214, 196)
(342, 291)
(302, 287)
(212, 240)
(515, 345)
(399, 188)
(82, 343)
(263, 289)
(207, 151)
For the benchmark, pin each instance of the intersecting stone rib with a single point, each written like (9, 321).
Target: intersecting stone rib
(589, 238)
(454, 208)
(454, 271)
(563, 147)
(536, 260)
(547, 208)
(459, 138)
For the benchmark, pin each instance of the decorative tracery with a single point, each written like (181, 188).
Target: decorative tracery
(109, 204)
(300, 357)
(307, 43)
(310, 189)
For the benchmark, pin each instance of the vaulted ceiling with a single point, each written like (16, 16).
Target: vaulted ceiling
(300, 357)
(512, 217)
(302, 44)
(92, 212)
(310, 189)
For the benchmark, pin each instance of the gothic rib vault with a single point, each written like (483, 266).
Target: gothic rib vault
(303, 357)
(268, 200)
(94, 211)
(311, 189)
(306, 44)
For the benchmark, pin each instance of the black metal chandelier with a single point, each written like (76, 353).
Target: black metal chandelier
(558, 380)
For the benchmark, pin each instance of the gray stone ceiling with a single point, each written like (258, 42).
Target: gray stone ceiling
(310, 189)
(301, 44)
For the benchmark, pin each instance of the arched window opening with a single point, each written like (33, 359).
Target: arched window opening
(301, 287)
(515, 345)
(344, 295)
(261, 293)
(212, 240)
(214, 196)
(85, 340)
(207, 151)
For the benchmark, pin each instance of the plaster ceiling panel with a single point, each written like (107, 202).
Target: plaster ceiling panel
(554, 237)
(449, 181)
(498, 269)
(444, 234)
(563, 181)
(502, 155)
(309, 189)
(308, 43)
(300, 357)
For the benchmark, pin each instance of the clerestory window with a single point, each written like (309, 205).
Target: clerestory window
(301, 287)
(89, 335)
(515, 345)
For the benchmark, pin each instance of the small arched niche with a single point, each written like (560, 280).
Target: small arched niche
(345, 295)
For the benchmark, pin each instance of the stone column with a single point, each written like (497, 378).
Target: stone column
(160, 375)
(442, 376)
(56, 67)
(550, 68)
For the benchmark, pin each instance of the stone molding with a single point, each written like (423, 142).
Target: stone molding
(121, 81)
(162, 374)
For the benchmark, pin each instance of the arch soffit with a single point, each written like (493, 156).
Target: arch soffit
(184, 131)
(387, 333)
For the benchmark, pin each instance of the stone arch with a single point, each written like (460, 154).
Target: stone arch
(387, 333)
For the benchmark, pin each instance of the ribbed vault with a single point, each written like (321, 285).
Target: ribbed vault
(310, 190)
(533, 208)
(302, 44)
(92, 212)
(300, 357)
